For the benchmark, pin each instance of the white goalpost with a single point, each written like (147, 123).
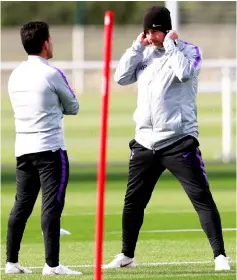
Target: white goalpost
(173, 7)
(226, 116)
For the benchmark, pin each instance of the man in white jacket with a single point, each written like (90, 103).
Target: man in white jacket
(166, 70)
(40, 95)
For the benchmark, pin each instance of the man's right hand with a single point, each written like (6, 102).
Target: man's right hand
(142, 39)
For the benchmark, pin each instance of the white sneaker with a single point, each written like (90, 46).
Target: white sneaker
(222, 263)
(15, 268)
(58, 270)
(120, 261)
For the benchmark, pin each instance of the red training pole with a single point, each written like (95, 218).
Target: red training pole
(101, 175)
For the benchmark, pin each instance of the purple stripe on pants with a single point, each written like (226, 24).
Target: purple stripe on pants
(199, 156)
(63, 180)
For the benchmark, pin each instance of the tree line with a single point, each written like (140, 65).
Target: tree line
(126, 12)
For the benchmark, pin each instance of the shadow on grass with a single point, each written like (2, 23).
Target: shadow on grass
(88, 174)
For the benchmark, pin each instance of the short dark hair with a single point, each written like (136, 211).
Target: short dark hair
(33, 36)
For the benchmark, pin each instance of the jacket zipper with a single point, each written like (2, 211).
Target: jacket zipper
(150, 105)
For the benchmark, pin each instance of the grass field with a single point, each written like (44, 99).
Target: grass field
(161, 253)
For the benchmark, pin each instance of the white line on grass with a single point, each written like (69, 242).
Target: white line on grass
(172, 230)
(191, 275)
(147, 212)
(139, 264)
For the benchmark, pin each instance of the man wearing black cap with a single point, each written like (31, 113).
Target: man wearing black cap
(166, 70)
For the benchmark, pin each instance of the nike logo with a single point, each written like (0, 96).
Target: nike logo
(185, 155)
(124, 265)
(143, 66)
(156, 25)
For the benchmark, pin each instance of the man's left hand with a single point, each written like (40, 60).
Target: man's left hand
(172, 34)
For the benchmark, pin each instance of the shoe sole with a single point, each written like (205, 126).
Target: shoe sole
(62, 274)
(18, 272)
(125, 266)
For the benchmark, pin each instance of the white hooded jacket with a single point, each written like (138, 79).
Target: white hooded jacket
(167, 81)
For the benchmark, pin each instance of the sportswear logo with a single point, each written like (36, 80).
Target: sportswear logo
(185, 155)
(143, 66)
(124, 265)
(21, 270)
(132, 154)
(156, 25)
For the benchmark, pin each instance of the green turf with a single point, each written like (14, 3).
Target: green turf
(169, 207)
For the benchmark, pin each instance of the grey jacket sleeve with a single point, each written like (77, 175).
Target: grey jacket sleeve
(184, 66)
(70, 104)
(125, 73)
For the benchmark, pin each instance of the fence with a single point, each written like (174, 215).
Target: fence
(217, 76)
